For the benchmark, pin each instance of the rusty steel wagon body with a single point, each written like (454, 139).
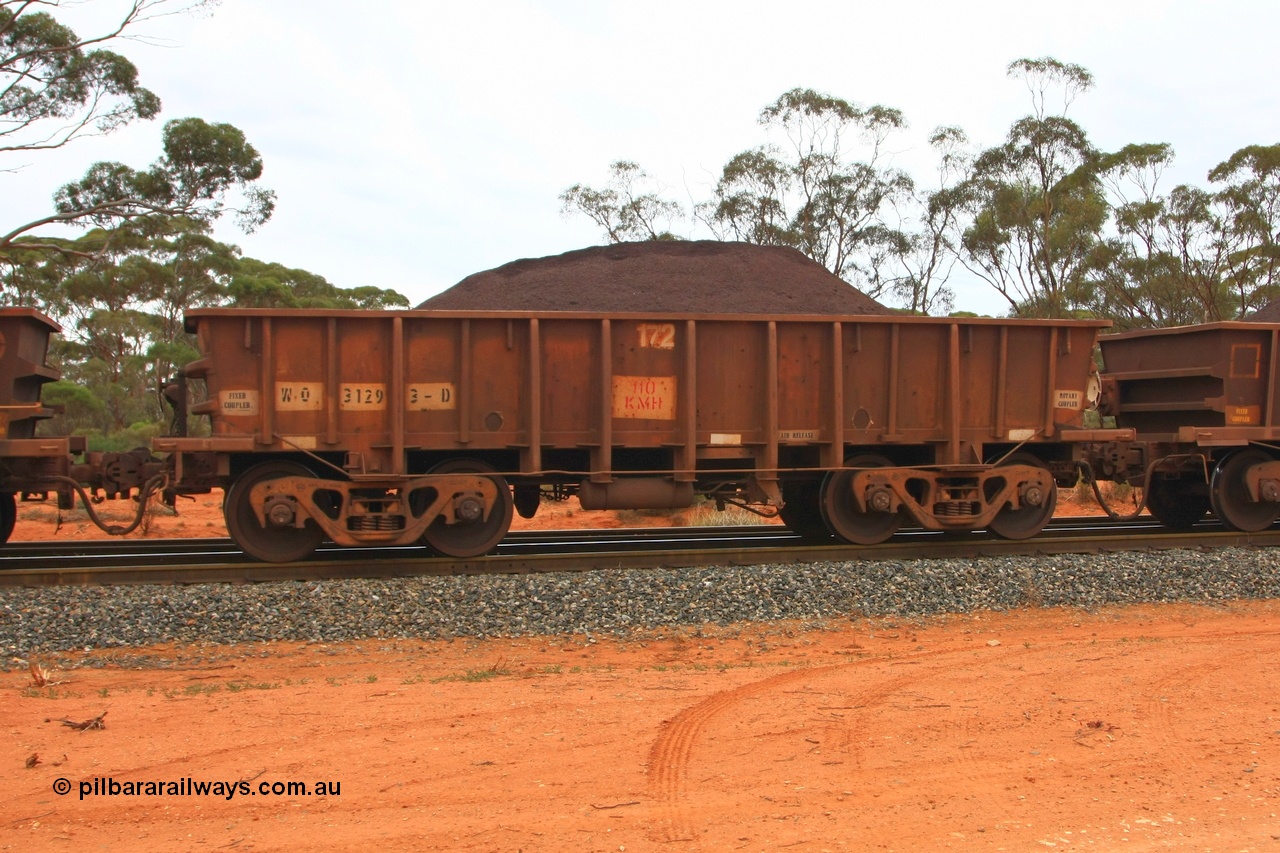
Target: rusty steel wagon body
(25, 459)
(433, 426)
(33, 464)
(1202, 404)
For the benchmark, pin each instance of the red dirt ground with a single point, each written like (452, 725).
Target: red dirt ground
(1138, 728)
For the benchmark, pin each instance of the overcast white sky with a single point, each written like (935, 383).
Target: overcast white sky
(413, 143)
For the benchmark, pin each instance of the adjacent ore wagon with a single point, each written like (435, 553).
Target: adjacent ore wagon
(25, 459)
(41, 465)
(434, 426)
(1202, 404)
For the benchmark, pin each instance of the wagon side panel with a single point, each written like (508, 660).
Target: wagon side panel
(732, 369)
(231, 351)
(805, 383)
(496, 391)
(434, 387)
(1214, 383)
(362, 391)
(570, 367)
(648, 385)
(24, 349)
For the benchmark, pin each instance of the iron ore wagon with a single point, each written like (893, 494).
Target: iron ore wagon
(1202, 404)
(32, 464)
(24, 459)
(435, 426)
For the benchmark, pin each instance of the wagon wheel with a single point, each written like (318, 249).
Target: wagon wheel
(1027, 521)
(465, 538)
(840, 510)
(1230, 498)
(1173, 505)
(8, 516)
(275, 543)
(802, 511)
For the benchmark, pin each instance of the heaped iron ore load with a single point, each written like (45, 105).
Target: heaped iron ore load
(705, 276)
(1202, 403)
(432, 426)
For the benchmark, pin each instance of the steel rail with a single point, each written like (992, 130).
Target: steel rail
(115, 549)
(553, 551)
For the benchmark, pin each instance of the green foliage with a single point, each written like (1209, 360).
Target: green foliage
(131, 437)
(622, 209)
(1250, 220)
(1191, 255)
(81, 408)
(257, 284)
(120, 290)
(929, 250)
(1164, 266)
(1056, 226)
(1046, 74)
(56, 87)
(120, 296)
(1037, 205)
(825, 195)
(823, 188)
(201, 166)
(49, 76)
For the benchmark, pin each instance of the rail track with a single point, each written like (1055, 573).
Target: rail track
(106, 562)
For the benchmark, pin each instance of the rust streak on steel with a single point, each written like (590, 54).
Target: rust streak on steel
(834, 450)
(690, 402)
(953, 396)
(769, 471)
(1274, 375)
(268, 430)
(1049, 429)
(463, 390)
(1002, 379)
(395, 395)
(534, 434)
(602, 469)
(332, 370)
(891, 428)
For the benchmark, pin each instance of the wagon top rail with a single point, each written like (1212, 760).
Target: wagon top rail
(876, 319)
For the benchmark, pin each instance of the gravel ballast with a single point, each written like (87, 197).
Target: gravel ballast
(617, 602)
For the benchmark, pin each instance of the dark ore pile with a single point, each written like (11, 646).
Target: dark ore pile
(678, 277)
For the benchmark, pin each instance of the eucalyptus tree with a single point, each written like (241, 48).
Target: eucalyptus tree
(1250, 201)
(1193, 255)
(1038, 207)
(260, 284)
(106, 287)
(1162, 263)
(624, 208)
(57, 87)
(931, 222)
(824, 189)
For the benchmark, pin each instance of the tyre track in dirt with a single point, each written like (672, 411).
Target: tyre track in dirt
(1167, 695)
(670, 756)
